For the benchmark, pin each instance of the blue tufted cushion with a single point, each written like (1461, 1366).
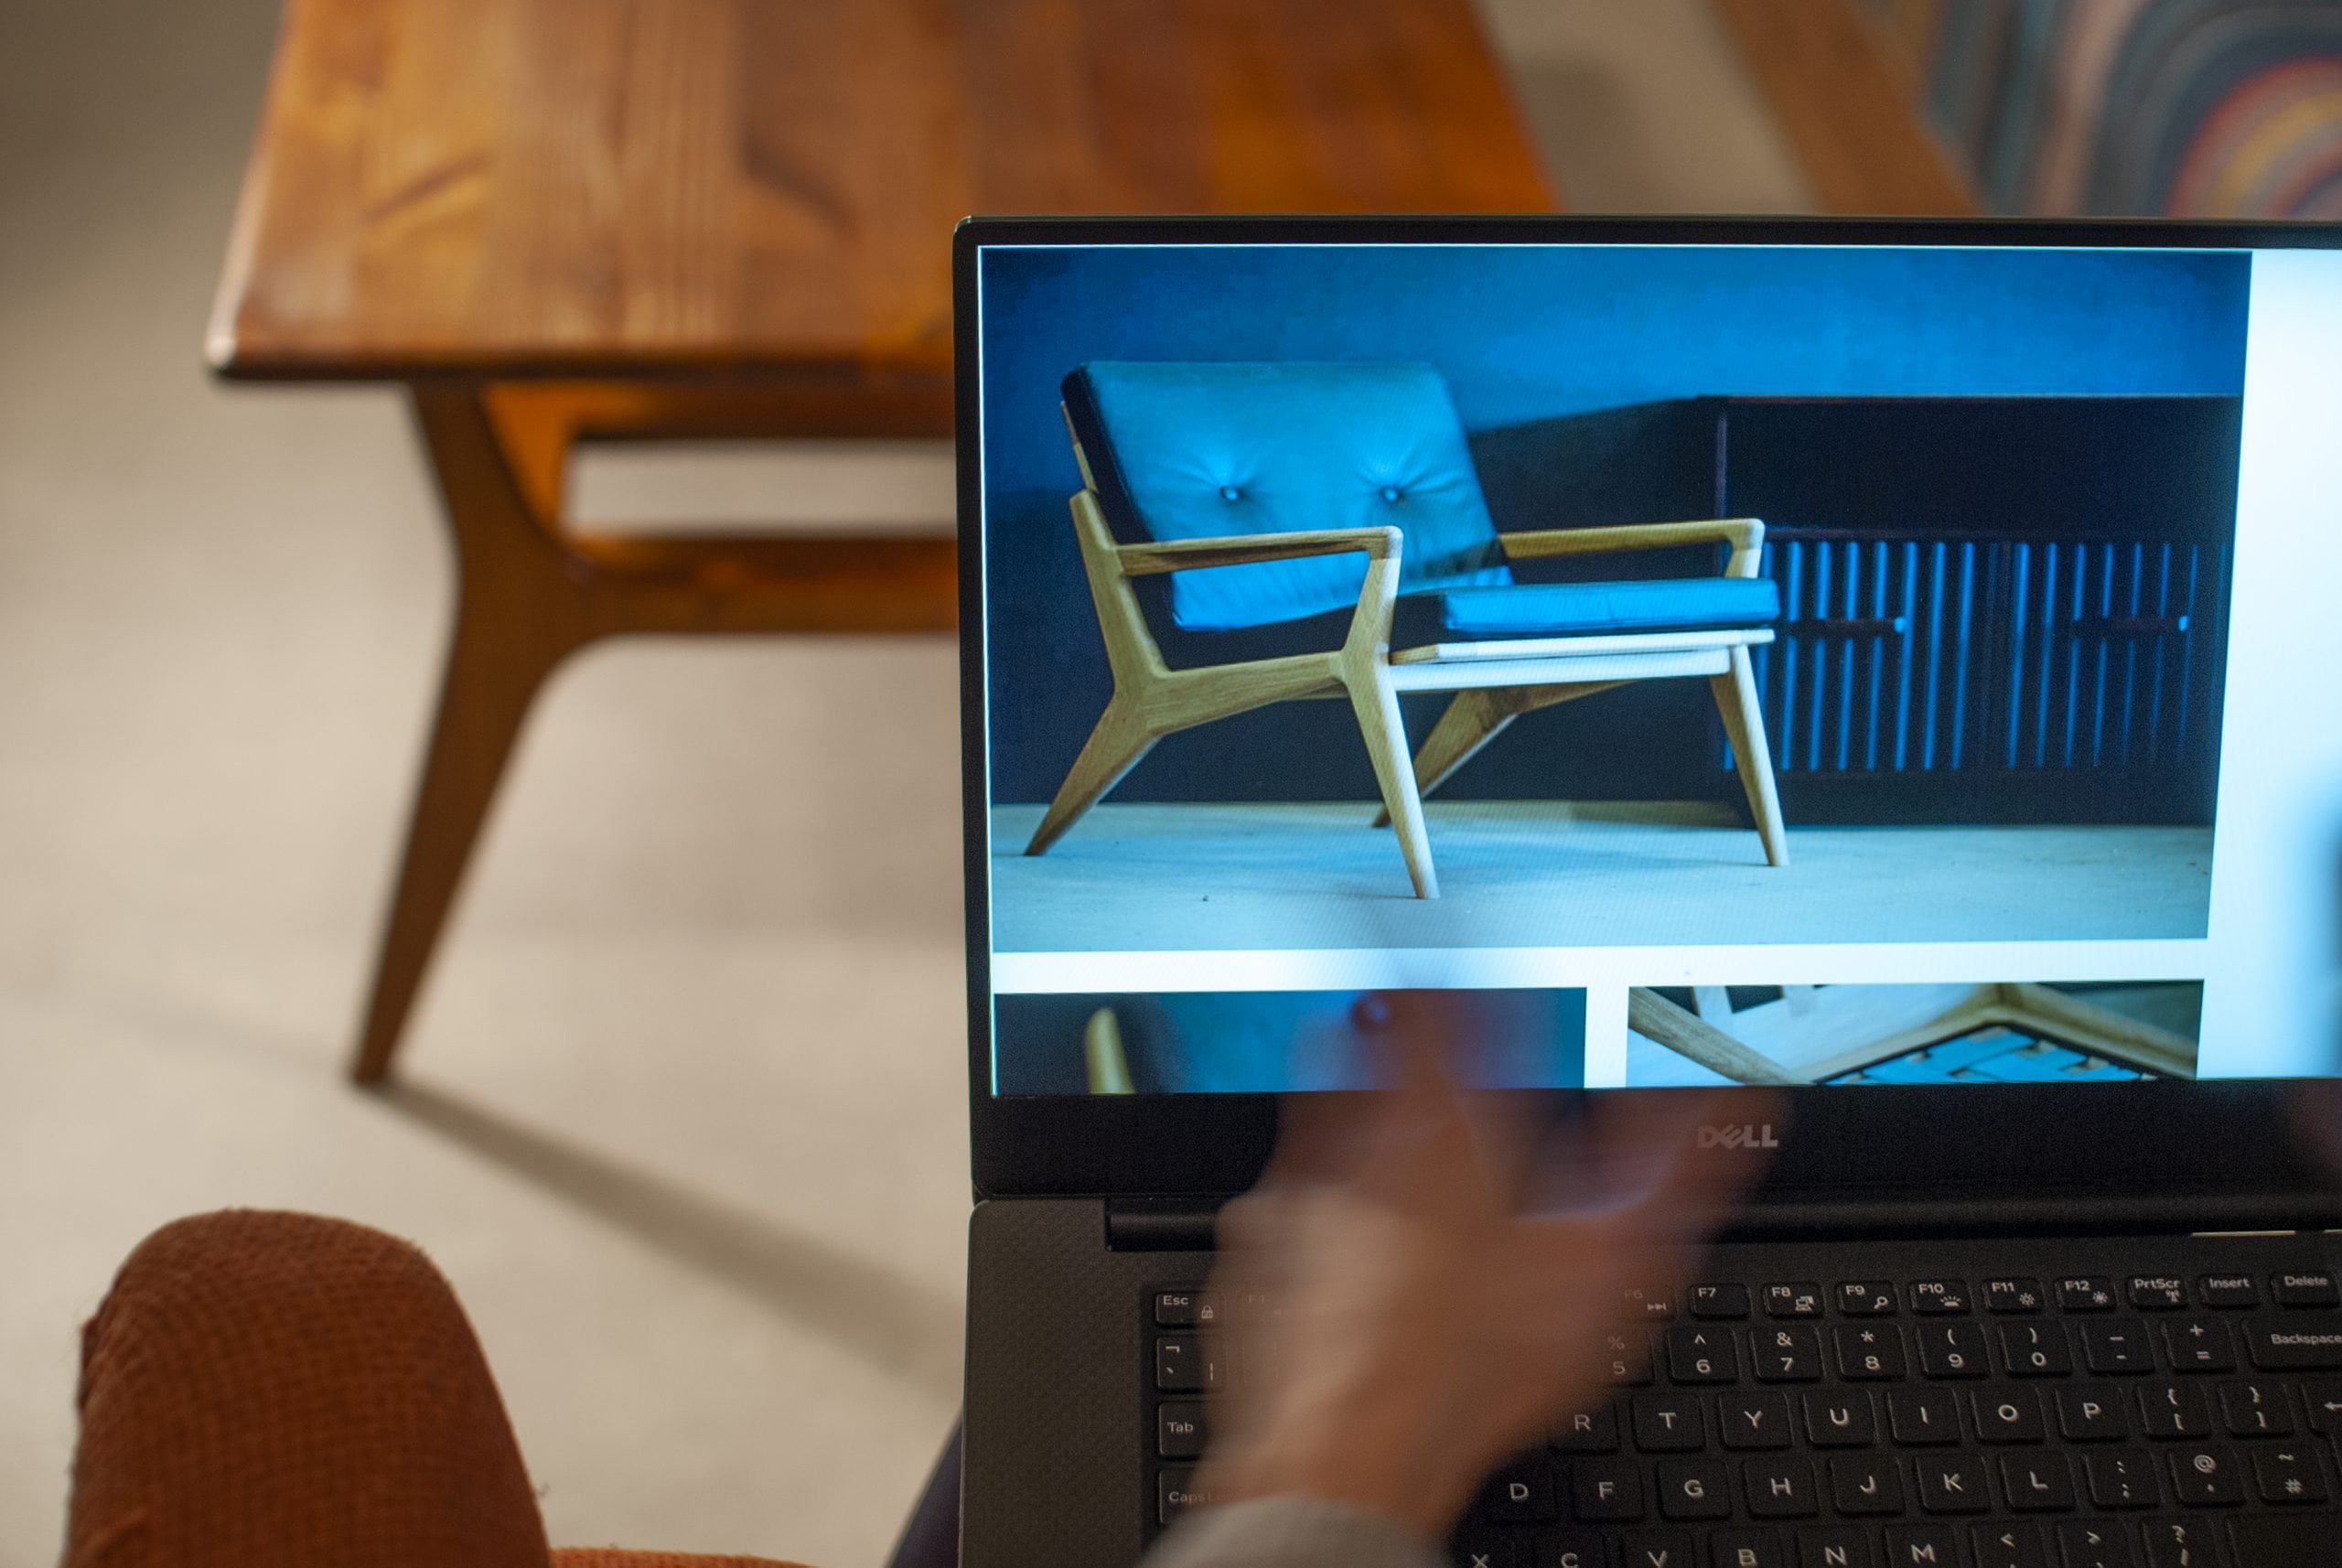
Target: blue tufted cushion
(1195, 451)
(1495, 615)
(1584, 609)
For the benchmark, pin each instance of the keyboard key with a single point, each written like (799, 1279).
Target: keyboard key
(1658, 1306)
(2274, 1538)
(1572, 1548)
(1922, 1417)
(1836, 1548)
(2086, 1293)
(1840, 1418)
(2157, 1293)
(2228, 1291)
(1953, 1483)
(2302, 1344)
(1524, 1492)
(2175, 1409)
(1865, 1486)
(1778, 1489)
(1922, 1546)
(1179, 1431)
(1749, 1549)
(1176, 1492)
(1952, 1350)
(1182, 1365)
(1793, 1301)
(2090, 1414)
(1787, 1355)
(2197, 1345)
(1588, 1432)
(2309, 1288)
(1702, 1356)
(1668, 1423)
(1718, 1302)
(2094, 1544)
(1657, 1548)
(2288, 1474)
(2035, 1350)
(1626, 1359)
(2038, 1483)
(2011, 1416)
(1694, 1488)
(1940, 1298)
(1494, 1549)
(2116, 1347)
(1177, 1308)
(1606, 1491)
(2186, 1543)
(2121, 1480)
(2013, 1296)
(1754, 1421)
(1866, 1298)
(2255, 1410)
(1868, 1352)
(2204, 1477)
(2014, 1544)
(2323, 1397)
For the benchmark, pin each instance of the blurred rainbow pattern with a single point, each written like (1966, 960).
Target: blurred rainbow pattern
(2184, 108)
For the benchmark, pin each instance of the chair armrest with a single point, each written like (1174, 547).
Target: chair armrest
(1744, 535)
(1232, 549)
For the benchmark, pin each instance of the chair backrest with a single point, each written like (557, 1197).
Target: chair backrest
(1206, 450)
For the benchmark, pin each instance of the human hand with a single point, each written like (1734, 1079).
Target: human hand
(1444, 1282)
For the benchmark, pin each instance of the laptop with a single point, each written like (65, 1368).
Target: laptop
(1890, 661)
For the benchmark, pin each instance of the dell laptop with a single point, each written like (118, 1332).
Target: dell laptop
(1894, 662)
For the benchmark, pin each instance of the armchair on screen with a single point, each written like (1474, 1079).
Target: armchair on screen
(1222, 513)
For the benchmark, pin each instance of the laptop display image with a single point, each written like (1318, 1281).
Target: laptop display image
(1887, 662)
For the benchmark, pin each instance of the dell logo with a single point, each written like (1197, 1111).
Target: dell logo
(1745, 1137)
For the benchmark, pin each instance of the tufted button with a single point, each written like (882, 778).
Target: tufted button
(1228, 492)
(1390, 492)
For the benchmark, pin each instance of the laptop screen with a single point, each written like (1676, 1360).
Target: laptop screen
(1860, 665)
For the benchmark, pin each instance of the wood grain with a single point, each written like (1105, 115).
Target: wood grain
(1845, 92)
(622, 188)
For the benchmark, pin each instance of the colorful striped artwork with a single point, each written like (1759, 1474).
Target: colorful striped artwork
(2188, 108)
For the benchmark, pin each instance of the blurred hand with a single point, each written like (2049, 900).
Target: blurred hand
(1444, 1285)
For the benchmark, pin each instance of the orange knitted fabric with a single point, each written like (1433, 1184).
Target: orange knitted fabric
(281, 1390)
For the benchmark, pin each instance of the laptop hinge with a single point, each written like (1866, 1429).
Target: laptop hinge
(1159, 1225)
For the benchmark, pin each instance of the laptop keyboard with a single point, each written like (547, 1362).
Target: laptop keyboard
(2143, 1420)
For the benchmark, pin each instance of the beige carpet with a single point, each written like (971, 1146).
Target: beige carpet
(687, 1122)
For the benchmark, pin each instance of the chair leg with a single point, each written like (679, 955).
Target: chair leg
(1743, 725)
(1377, 706)
(1113, 748)
(1469, 723)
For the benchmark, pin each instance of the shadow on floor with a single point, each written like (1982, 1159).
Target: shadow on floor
(896, 1324)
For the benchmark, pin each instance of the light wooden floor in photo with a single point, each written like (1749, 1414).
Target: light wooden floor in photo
(1554, 874)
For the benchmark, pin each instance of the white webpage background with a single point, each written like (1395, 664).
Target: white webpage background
(2273, 994)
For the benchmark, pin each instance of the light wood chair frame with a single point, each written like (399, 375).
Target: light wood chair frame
(1494, 683)
(2034, 1009)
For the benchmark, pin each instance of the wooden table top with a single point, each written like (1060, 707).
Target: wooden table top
(614, 188)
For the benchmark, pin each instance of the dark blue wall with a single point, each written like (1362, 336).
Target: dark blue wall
(1522, 335)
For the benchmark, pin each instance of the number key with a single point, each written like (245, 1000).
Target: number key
(1870, 1352)
(1702, 1356)
(1952, 1350)
(2035, 1350)
(1787, 1355)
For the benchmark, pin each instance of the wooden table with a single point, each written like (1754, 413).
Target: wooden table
(561, 220)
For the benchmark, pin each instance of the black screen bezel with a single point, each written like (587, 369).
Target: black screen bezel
(2221, 1139)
